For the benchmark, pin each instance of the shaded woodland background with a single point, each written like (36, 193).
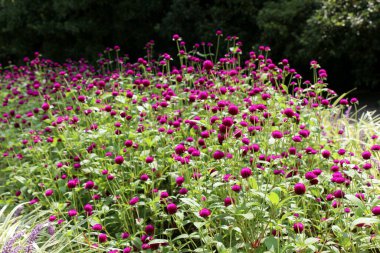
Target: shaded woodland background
(344, 36)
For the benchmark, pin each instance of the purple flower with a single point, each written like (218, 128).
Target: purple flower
(149, 159)
(183, 191)
(72, 212)
(119, 159)
(228, 201)
(326, 154)
(245, 172)
(124, 235)
(208, 65)
(8, 245)
(218, 155)
(236, 188)
(89, 185)
(49, 192)
(149, 229)
(102, 237)
(277, 134)
(97, 227)
(32, 238)
(204, 213)
(366, 155)
(134, 200)
(144, 177)
(179, 180)
(299, 188)
(376, 210)
(298, 227)
(233, 110)
(171, 208)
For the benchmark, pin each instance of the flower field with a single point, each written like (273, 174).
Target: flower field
(217, 151)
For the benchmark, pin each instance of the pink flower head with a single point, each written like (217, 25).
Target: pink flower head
(49, 192)
(133, 201)
(366, 155)
(97, 227)
(376, 210)
(102, 237)
(171, 208)
(218, 155)
(72, 212)
(245, 172)
(208, 65)
(149, 159)
(119, 159)
(277, 134)
(298, 227)
(299, 188)
(205, 212)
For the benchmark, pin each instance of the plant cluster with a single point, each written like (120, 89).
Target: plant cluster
(216, 155)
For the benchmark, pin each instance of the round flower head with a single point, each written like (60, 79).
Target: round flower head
(179, 180)
(299, 188)
(149, 159)
(97, 227)
(49, 192)
(72, 212)
(277, 134)
(149, 229)
(366, 155)
(298, 227)
(102, 237)
(204, 213)
(218, 155)
(119, 159)
(171, 208)
(245, 172)
(233, 110)
(376, 210)
(208, 65)
(45, 106)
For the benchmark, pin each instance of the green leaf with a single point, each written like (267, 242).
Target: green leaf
(190, 202)
(274, 198)
(199, 224)
(311, 240)
(271, 243)
(158, 241)
(248, 216)
(364, 220)
(183, 236)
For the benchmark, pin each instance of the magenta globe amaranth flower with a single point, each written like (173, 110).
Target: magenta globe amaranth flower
(245, 172)
(149, 229)
(171, 208)
(366, 155)
(49, 192)
(208, 65)
(149, 159)
(72, 212)
(119, 159)
(204, 213)
(102, 237)
(277, 134)
(376, 210)
(179, 180)
(218, 155)
(298, 227)
(299, 188)
(133, 201)
(45, 106)
(97, 227)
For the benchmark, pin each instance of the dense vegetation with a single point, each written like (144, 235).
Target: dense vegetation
(345, 32)
(217, 154)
